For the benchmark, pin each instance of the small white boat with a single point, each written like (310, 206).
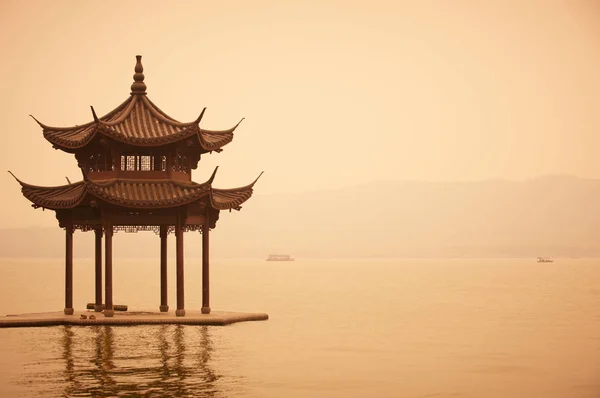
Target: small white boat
(544, 260)
(280, 257)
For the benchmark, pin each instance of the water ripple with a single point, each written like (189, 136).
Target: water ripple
(103, 361)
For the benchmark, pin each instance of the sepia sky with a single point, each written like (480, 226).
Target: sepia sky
(334, 93)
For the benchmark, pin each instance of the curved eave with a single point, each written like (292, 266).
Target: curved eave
(54, 198)
(139, 122)
(227, 199)
(214, 140)
(141, 194)
(71, 140)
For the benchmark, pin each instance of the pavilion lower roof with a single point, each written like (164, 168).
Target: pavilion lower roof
(137, 121)
(141, 194)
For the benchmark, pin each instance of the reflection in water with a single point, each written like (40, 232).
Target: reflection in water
(67, 340)
(163, 345)
(166, 360)
(204, 358)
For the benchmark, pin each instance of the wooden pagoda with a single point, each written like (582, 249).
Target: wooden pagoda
(137, 167)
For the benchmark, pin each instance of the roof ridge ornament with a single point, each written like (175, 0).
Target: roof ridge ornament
(42, 125)
(212, 177)
(261, 173)
(138, 86)
(200, 117)
(14, 176)
(96, 120)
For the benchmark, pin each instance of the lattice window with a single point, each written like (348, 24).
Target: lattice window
(128, 162)
(181, 163)
(146, 163)
(143, 163)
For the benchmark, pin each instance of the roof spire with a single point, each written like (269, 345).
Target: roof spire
(138, 86)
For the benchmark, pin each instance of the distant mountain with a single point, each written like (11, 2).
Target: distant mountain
(548, 216)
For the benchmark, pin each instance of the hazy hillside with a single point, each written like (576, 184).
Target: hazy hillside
(553, 216)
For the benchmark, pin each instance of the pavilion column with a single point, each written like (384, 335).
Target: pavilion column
(108, 307)
(205, 269)
(180, 283)
(69, 270)
(164, 230)
(98, 307)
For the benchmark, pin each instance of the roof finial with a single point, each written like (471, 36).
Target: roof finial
(138, 86)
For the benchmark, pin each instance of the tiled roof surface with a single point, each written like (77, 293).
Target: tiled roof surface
(137, 194)
(148, 194)
(137, 121)
(224, 199)
(62, 197)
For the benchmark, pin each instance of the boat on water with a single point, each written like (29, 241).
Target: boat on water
(544, 260)
(280, 257)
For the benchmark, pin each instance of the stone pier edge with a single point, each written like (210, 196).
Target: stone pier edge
(127, 319)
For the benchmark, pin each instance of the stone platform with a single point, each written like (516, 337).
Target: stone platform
(191, 317)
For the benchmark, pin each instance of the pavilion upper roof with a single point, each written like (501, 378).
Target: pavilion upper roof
(137, 121)
(136, 193)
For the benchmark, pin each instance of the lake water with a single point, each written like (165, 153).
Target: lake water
(337, 328)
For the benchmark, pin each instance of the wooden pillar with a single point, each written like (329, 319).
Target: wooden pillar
(69, 270)
(205, 269)
(98, 307)
(164, 230)
(180, 283)
(108, 232)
